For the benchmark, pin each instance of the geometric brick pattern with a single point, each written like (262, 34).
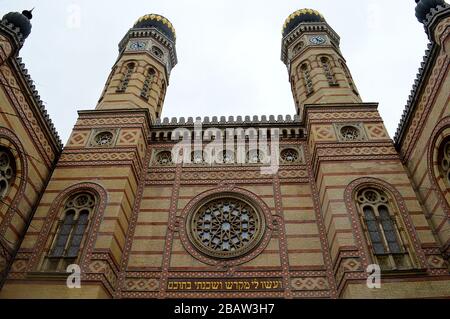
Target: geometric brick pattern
(436, 261)
(376, 131)
(78, 139)
(129, 137)
(141, 284)
(310, 283)
(351, 264)
(324, 133)
(100, 266)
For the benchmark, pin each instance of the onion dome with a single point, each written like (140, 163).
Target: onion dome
(157, 21)
(21, 21)
(424, 7)
(300, 16)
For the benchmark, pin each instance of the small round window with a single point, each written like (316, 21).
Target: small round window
(289, 155)
(164, 158)
(350, 133)
(104, 139)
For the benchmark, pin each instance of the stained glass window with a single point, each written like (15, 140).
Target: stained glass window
(72, 228)
(225, 227)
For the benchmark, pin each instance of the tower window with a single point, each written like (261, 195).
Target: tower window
(307, 81)
(70, 231)
(145, 93)
(157, 52)
(126, 77)
(326, 65)
(7, 171)
(162, 94)
(382, 229)
(298, 47)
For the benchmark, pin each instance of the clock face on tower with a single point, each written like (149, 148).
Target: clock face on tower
(137, 45)
(317, 40)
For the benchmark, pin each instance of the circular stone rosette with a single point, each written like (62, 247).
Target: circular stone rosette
(226, 227)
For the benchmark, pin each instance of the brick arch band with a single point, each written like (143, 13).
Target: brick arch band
(18, 151)
(431, 167)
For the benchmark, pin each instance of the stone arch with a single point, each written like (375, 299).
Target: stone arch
(10, 141)
(55, 211)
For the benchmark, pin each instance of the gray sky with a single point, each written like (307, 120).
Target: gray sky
(228, 53)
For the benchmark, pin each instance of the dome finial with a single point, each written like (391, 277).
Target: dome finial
(424, 7)
(21, 21)
(28, 13)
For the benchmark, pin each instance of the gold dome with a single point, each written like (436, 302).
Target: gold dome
(299, 16)
(158, 21)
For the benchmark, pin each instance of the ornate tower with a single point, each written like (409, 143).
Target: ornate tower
(140, 77)
(91, 197)
(354, 165)
(317, 70)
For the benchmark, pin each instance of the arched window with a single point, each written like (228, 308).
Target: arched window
(444, 161)
(349, 77)
(145, 93)
(307, 81)
(70, 231)
(327, 68)
(157, 51)
(383, 229)
(126, 77)
(7, 171)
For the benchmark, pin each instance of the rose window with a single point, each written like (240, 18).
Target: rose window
(225, 227)
(104, 138)
(350, 133)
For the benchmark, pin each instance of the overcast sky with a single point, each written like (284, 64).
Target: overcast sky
(228, 53)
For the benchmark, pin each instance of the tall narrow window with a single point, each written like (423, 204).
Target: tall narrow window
(307, 81)
(7, 171)
(327, 68)
(145, 93)
(70, 231)
(161, 97)
(126, 77)
(349, 78)
(444, 161)
(382, 229)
